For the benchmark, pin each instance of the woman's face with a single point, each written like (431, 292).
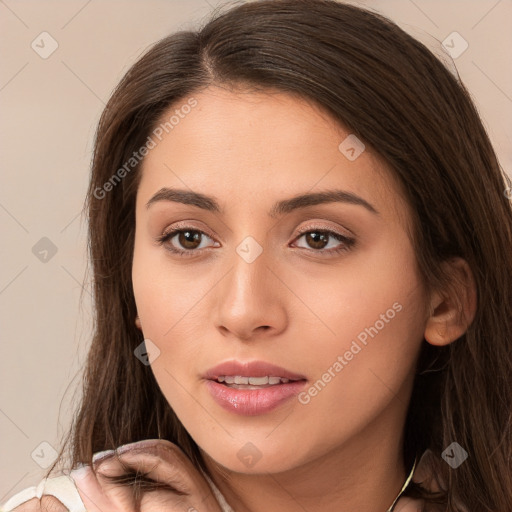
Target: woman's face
(324, 288)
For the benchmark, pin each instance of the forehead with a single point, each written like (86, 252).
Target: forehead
(246, 147)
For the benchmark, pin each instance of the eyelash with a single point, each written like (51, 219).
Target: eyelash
(347, 245)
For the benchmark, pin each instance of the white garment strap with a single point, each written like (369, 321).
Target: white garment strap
(62, 487)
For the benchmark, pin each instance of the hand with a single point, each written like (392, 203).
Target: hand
(422, 476)
(161, 461)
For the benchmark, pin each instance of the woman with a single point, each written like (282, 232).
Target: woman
(301, 243)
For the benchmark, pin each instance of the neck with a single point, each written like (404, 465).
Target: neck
(365, 474)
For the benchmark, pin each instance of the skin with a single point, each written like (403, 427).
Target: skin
(342, 451)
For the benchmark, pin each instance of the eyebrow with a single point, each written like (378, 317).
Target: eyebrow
(279, 208)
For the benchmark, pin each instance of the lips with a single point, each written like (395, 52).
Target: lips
(240, 389)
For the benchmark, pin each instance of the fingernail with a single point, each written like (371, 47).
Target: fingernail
(136, 444)
(102, 455)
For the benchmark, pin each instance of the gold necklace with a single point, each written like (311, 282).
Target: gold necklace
(390, 509)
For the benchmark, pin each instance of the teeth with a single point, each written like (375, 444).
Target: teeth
(253, 381)
(258, 381)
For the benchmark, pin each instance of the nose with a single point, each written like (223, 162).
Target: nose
(251, 300)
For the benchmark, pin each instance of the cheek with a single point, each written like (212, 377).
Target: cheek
(371, 317)
(170, 304)
(166, 293)
(165, 308)
(377, 287)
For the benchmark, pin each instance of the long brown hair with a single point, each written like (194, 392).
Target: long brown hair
(398, 98)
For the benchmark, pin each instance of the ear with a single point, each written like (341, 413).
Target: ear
(137, 322)
(452, 308)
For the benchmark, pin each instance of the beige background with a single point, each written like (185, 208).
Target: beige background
(49, 111)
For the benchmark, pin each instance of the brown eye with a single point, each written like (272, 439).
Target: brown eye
(325, 241)
(316, 240)
(189, 239)
(183, 242)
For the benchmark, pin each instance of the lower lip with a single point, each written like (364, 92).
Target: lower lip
(251, 402)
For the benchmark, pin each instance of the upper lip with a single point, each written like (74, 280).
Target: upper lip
(250, 369)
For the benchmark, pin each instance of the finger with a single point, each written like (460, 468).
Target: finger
(162, 461)
(173, 467)
(52, 504)
(98, 493)
(101, 493)
(179, 481)
(406, 504)
(423, 473)
(43, 504)
(92, 492)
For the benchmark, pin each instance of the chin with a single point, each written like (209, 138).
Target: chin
(250, 460)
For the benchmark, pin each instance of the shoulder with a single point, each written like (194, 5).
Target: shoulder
(58, 494)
